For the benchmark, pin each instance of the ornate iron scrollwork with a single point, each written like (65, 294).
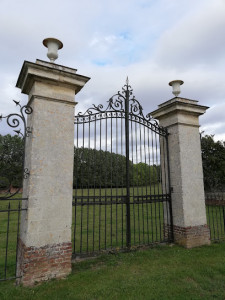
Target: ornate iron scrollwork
(116, 108)
(14, 120)
(17, 121)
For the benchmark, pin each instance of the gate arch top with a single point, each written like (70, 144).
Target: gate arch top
(116, 108)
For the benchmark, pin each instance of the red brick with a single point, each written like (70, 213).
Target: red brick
(38, 264)
(191, 236)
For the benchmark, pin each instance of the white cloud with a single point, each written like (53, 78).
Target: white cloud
(197, 39)
(153, 42)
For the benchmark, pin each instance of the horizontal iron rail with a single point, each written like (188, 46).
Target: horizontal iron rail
(122, 196)
(108, 200)
(12, 199)
(18, 209)
(10, 278)
(115, 250)
(85, 119)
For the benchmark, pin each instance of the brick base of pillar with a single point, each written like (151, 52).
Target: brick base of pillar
(193, 236)
(167, 232)
(40, 264)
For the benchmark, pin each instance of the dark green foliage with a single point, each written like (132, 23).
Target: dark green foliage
(11, 160)
(93, 168)
(145, 174)
(4, 182)
(213, 158)
(98, 168)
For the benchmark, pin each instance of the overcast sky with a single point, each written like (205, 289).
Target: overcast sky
(150, 41)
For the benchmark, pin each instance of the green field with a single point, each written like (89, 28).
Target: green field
(216, 221)
(163, 272)
(102, 224)
(103, 227)
(8, 223)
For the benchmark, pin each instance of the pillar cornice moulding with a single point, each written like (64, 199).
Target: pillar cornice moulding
(179, 105)
(50, 73)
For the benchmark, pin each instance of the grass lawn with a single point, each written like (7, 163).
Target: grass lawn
(164, 272)
(102, 227)
(216, 221)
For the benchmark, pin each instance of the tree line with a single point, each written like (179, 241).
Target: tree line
(98, 168)
(213, 160)
(11, 161)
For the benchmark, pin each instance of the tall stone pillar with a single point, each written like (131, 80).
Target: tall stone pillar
(181, 117)
(45, 250)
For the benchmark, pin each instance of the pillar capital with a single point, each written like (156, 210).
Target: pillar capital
(62, 82)
(179, 111)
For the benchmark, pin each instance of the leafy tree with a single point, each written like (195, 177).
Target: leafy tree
(98, 168)
(11, 160)
(213, 159)
(143, 174)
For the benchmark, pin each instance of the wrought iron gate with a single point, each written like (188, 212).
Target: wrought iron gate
(121, 178)
(12, 173)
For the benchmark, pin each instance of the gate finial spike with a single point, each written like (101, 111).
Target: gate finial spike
(127, 81)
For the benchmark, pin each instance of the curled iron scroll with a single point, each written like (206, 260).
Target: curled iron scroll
(116, 103)
(11, 175)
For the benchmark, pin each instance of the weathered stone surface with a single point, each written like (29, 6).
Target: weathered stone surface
(49, 159)
(181, 117)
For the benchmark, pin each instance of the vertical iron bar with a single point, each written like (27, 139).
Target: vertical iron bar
(132, 149)
(106, 136)
(223, 219)
(7, 240)
(164, 186)
(141, 170)
(170, 200)
(157, 180)
(17, 238)
(138, 199)
(116, 174)
(94, 185)
(122, 185)
(88, 177)
(150, 180)
(75, 223)
(82, 190)
(100, 185)
(76, 188)
(212, 213)
(209, 222)
(153, 173)
(111, 170)
(146, 183)
(217, 221)
(128, 233)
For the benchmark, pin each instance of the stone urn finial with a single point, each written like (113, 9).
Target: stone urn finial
(53, 46)
(176, 86)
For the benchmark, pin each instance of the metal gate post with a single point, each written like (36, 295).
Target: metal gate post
(171, 235)
(128, 233)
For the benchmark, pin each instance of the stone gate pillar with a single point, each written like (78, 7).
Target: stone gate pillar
(181, 117)
(44, 249)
